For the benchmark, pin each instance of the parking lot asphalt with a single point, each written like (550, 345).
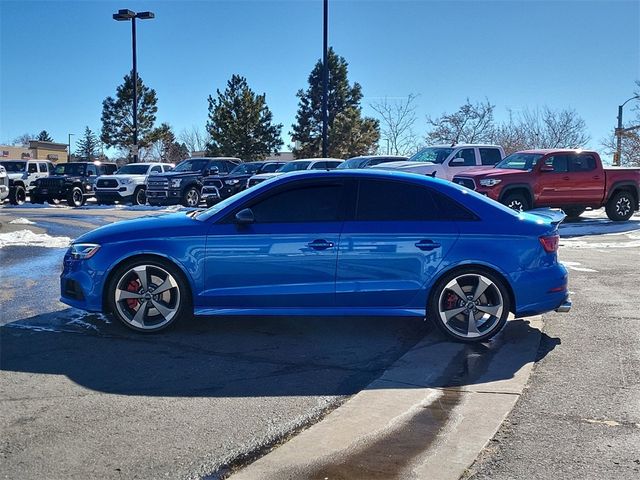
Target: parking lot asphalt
(82, 397)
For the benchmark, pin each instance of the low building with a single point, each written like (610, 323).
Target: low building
(37, 150)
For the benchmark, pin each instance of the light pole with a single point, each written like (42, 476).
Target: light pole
(121, 16)
(69, 146)
(325, 83)
(620, 131)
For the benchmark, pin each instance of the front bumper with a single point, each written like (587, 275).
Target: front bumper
(163, 197)
(81, 285)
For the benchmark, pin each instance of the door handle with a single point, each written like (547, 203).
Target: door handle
(566, 178)
(427, 245)
(597, 177)
(320, 244)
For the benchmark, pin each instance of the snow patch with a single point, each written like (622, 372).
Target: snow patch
(22, 221)
(576, 266)
(27, 238)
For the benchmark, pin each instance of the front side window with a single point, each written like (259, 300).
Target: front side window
(246, 169)
(489, 156)
(302, 204)
(468, 157)
(431, 155)
(270, 167)
(380, 201)
(519, 161)
(195, 165)
(294, 167)
(91, 170)
(33, 168)
(156, 169)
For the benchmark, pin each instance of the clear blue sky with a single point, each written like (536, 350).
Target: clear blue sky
(60, 59)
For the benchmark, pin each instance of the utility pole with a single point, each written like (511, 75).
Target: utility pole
(621, 131)
(325, 85)
(69, 147)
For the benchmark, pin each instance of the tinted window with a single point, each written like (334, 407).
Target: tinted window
(319, 166)
(294, 166)
(313, 203)
(582, 163)
(332, 165)
(394, 201)
(431, 154)
(222, 166)
(51, 168)
(156, 169)
(560, 163)
(33, 168)
(91, 170)
(270, 167)
(467, 155)
(489, 156)
(449, 209)
(42, 167)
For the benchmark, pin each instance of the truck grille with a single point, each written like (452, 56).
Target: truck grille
(158, 184)
(213, 183)
(50, 182)
(465, 182)
(107, 183)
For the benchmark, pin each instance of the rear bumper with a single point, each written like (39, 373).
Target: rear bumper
(541, 290)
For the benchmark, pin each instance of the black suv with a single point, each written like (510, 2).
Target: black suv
(73, 182)
(216, 188)
(183, 184)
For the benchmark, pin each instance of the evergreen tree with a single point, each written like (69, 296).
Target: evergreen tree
(88, 146)
(240, 123)
(351, 133)
(44, 136)
(117, 115)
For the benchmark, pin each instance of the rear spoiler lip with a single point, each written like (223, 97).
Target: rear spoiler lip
(555, 216)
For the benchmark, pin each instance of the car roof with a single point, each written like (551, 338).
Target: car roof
(316, 160)
(546, 151)
(232, 159)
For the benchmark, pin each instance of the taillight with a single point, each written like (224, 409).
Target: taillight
(550, 243)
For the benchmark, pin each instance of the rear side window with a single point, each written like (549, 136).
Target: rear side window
(42, 167)
(582, 163)
(489, 156)
(312, 203)
(450, 209)
(51, 168)
(381, 201)
(468, 157)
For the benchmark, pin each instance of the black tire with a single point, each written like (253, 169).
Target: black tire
(191, 197)
(441, 304)
(179, 303)
(139, 196)
(620, 206)
(574, 212)
(17, 195)
(517, 201)
(76, 197)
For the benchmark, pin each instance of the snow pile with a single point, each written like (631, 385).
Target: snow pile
(597, 227)
(22, 221)
(27, 238)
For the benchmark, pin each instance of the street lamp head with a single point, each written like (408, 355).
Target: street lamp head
(124, 15)
(145, 15)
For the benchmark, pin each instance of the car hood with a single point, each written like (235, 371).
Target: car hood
(492, 172)
(407, 166)
(170, 175)
(124, 176)
(179, 224)
(62, 178)
(15, 175)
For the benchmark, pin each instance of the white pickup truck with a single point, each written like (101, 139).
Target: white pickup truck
(446, 161)
(4, 184)
(128, 183)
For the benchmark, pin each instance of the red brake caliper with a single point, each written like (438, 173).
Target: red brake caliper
(451, 301)
(134, 286)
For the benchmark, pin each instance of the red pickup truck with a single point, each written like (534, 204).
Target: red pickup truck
(573, 180)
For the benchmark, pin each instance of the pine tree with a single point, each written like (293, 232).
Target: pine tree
(240, 123)
(351, 133)
(44, 136)
(117, 115)
(88, 146)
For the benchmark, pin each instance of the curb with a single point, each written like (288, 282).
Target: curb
(428, 416)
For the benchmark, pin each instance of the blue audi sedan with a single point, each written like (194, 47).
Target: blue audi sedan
(345, 242)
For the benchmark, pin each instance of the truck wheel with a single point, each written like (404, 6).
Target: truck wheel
(76, 197)
(574, 212)
(191, 197)
(517, 201)
(620, 207)
(18, 195)
(139, 196)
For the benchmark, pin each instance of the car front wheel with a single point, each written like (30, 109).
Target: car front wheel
(76, 197)
(18, 196)
(148, 295)
(191, 197)
(470, 305)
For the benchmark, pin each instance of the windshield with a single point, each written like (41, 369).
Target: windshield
(352, 163)
(431, 154)
(75, 169)
(14, 167)
(519, 161)
(245, 168)
(294, 167)
(191, 165)
(133, 169)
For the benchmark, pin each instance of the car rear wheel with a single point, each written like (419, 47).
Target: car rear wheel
(620, 207)
(18, 195)
(139, 196)
(76, 197)
(191, 197)
(517, 201)
(470, 305)
(148, 295)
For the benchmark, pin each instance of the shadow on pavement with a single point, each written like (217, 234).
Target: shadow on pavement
(248, 356)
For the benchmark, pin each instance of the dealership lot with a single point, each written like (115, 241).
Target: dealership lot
(187, 402)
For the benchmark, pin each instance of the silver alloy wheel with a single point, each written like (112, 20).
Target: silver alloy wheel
(470, 305)
(623, 206)
(140, 198)
(76, 196)
(147, 297)
(192, 198)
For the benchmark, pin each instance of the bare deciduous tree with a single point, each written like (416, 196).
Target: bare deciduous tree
(397, 118)
(23, 140)
(472, 123)
(195, 139)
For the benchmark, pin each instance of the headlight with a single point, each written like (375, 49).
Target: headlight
(489, 182)
(125, 181)
(175, 183)
(88, 187)
(234, 181)
(82, 251)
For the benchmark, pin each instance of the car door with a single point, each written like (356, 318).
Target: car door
(462, 161)
(554, 186)
(392, 245)
(32, 174)
(286, 258)
(586, 182)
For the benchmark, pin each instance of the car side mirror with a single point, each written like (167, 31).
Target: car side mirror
(546, 168)
(245, 217)
(456, 162)
(212, 171)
